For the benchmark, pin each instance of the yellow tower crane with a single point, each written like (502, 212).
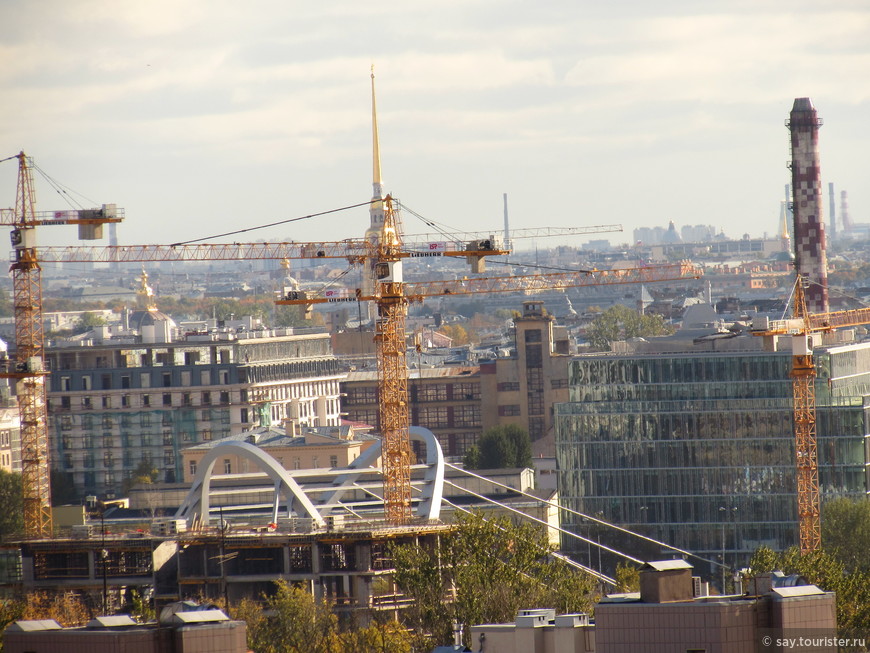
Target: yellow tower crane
(28, 369)
(392, 296)
(800, 327)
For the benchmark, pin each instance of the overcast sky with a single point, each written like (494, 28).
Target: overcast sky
(203, 116)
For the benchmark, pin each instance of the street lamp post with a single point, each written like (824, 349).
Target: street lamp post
(104, 556)
(725, 516)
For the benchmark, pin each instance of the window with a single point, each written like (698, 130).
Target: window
(66, 423)
(107, 441)
(432, 392)
(206, 435)
(86, 403)
(191, 357)
(205, 378)
(167, 399)
(167, 379)
(168, 458)
(108, 422)
(333, 461)
(206, 399)
(186, 400)
(125, 382)
(225, 377)
(508, 386)
(145, 379)
(466, 415)
(192, 467)
(185, 379)
(86, 382)
(87, 422)
(167, 438)
(145, 420)
(225, 398)
(146, 400)
(228, 468)
(65, 403)
(297, 464)
(108, 459)
(244, 415)
(107, 401)
(506, 411)
(65, 385)
(433, 416)
(105, 382)
(186, 436)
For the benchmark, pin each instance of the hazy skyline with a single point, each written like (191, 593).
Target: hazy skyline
(202, 117)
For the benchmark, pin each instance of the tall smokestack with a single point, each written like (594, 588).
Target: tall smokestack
(806, 181)
(832, 209)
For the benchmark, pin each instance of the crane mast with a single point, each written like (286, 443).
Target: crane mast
(28, 368)
(800, 327)
(803, 376)
(29, 355)
(393, 372)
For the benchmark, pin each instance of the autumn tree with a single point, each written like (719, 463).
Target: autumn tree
(490, 569)
(846, 532)
(620, 323)
(12, 500)
(824, 570)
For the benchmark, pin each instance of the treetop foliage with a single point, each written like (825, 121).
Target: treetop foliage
(493, 568)
(500, 447)
(621, 323)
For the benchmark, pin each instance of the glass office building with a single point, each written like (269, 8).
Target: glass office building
(697, 448)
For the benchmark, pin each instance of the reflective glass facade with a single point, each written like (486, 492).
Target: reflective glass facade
(697, 448)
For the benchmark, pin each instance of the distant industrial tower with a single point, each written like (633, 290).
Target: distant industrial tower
(832, 204)
(809, 227)
(845, 218)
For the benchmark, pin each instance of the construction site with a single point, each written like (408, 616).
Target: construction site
(236, 531)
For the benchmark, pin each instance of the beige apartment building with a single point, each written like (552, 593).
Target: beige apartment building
(313, 448)
(522, 389)
(10, 439)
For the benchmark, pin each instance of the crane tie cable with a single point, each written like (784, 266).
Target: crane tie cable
(274, 224)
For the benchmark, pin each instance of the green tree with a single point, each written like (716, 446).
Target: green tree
(501, 447)
(846, 532)
(63, 490)
(88, 321)
(492, 568)
(620, 322)
(12, 500)
(627, 578)
(828, 573)
(144, 473)
(296, 623)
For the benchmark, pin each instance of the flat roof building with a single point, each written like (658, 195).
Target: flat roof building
(693, 443)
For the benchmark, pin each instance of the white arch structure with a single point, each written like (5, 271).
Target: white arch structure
(196, 504)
